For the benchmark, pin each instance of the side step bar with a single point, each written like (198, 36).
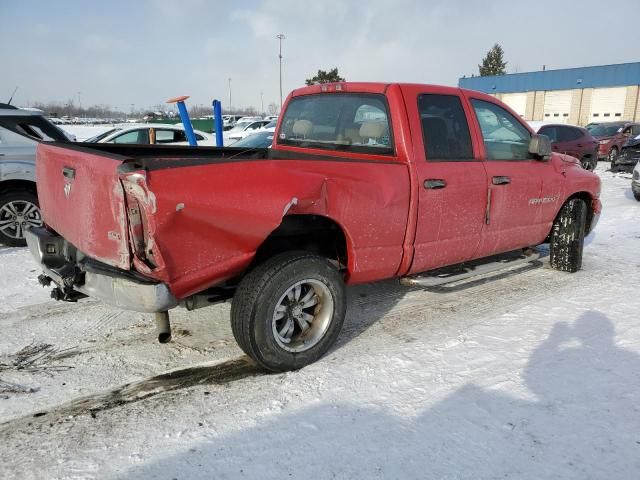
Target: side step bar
(456, 273)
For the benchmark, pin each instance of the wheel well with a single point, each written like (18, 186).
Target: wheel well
(311, 233)
(11, 185)
(586, 197)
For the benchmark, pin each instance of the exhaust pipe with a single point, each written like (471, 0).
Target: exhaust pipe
(163, 327)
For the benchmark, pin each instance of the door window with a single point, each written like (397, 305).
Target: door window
(11, 139)
(505, 138)
(445, 130)
(135, 136)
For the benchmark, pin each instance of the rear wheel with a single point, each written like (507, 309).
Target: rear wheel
(19, 211)
(289, 311)
(587, 163)
(567, 236)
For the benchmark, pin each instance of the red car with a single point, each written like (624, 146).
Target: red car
(364, 182)
(574, 141)
(611, 136)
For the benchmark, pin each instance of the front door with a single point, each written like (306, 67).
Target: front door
(514, 179)
(451, 181)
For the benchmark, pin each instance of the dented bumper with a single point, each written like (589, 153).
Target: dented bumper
(76, 275)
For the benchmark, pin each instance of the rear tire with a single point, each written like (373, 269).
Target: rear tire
(588, 163)
(567, 236)
(19, 210)
(269, 318)
(636, 195)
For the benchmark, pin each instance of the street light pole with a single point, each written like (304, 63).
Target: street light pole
(261, 103)
(229, 107)
(280, 37)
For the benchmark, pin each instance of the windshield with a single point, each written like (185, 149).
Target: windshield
(241, 125)
(603, 130)
(341, 121)
(256, 140)
(102, 135)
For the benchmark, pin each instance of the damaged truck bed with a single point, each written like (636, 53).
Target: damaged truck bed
(364, 182)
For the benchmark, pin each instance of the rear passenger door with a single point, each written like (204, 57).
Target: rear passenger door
(514, 179)
(451, 180)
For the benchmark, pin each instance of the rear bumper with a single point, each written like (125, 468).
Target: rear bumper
(76, 275)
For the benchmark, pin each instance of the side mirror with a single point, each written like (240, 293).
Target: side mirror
(540, 146)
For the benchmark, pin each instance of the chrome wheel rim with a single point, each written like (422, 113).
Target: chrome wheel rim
(18, 216)
(613, 153)
(302, 316)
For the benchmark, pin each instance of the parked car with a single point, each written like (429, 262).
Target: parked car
(438, 176)
(243, 129)
(229, 121)
(20, 131)
(574, 141)
(611, 136)
(154, 133)
(591, 126)
(629, 156)
(261, 139)
(635, 182)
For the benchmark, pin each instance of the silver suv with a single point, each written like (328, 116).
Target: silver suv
(20, 132)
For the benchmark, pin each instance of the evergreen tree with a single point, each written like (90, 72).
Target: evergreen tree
(325, 77)
(493, 63)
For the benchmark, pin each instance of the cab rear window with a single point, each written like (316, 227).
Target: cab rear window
(341, 121)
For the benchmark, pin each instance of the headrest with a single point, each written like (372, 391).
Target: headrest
(372, 129)
(302, 128)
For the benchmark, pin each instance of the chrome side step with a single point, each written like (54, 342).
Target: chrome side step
(464, 271)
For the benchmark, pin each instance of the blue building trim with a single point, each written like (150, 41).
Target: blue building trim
(620, 75)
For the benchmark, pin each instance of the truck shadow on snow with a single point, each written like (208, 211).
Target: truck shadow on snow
(579, 419)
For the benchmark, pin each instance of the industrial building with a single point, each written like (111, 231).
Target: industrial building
(576, 96)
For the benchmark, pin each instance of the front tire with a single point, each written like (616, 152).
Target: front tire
(289, 311)
(19, 210)
(567, 236)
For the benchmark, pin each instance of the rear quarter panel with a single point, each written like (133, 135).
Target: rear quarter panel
(210, 219)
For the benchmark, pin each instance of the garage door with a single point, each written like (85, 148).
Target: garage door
(607, 104)
(557, 106)
(517, 102)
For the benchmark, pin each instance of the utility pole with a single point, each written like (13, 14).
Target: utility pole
(280, 37)
(229, 107)
(261, 103)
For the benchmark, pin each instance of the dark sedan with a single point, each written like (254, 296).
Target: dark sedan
(574, 141)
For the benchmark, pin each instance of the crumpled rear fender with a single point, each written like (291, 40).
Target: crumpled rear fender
(203, 224)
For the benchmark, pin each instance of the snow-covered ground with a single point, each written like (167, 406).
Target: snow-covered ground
(534, 374)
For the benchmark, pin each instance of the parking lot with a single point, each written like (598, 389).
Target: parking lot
(530, 374)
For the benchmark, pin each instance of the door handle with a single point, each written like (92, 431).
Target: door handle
(501, 180)
(69, 173)
(434, 183)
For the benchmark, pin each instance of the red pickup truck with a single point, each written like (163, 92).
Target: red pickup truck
(363, 182)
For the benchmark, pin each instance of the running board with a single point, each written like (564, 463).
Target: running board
(464, 271)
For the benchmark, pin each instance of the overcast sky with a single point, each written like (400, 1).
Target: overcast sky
(143, 52)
